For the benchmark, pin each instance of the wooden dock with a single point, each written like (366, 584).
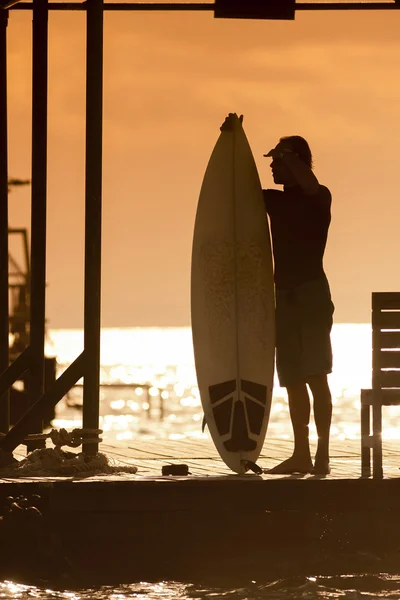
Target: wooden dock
(211, 523)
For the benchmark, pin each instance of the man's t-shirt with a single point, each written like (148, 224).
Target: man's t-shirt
(299, 228)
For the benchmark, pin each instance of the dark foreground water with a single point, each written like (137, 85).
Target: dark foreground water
(306, 588)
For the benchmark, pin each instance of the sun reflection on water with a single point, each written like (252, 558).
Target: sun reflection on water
(11, 591)
(164, 398)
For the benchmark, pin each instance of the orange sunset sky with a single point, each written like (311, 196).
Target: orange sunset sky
(169, 81)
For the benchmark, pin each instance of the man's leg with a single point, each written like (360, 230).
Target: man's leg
(323, 416)
(299, 406)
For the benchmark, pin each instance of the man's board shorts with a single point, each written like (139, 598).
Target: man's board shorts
(304, 317)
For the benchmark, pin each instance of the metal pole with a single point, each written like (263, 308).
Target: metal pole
(93, 206)
(4, 398)
(39, 201)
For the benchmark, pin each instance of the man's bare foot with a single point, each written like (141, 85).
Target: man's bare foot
(321, 462)
(321, 467)
(292, 465)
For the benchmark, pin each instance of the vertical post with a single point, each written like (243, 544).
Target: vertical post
(161, 416)
(4, 399)
(93, 206)
(377, 468)
(149, 400)
(365, 421)
(39, 201)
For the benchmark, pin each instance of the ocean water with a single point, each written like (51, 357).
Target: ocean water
(162, 359)
(348, 587)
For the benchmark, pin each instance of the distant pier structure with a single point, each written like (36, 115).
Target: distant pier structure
(31, 361)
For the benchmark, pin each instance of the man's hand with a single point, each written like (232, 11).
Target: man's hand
(299, 170)
(229, 123)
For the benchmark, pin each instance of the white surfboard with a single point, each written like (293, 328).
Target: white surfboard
(232, 302)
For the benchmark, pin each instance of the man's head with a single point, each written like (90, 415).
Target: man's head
(295, 144)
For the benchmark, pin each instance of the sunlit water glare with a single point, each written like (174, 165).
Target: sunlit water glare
(163, 359)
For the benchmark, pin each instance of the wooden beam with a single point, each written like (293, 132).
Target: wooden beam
(49, 399)
(39, 201)
(93, 210)
(4, 308)
(15, 370)
(156, 6)
(255, 9)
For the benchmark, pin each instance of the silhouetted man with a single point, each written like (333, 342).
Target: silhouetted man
(300, 216)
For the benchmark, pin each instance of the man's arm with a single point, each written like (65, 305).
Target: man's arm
(302, 173)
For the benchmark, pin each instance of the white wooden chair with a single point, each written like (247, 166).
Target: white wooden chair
(385, 378)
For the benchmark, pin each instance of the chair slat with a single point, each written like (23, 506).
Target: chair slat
(388, 300)
(386, 320)
(389, 360)
(386, 379)
(390, 397)
(388, 339)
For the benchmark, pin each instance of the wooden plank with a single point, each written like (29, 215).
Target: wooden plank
(274, 450)
(389, 397)
(148, 451)
(203, 461)
(388, 379)
(389, 359)
(388, 339)
(388, 300)
(386, 320)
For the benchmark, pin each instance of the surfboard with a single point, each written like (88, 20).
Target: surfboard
(232, 301)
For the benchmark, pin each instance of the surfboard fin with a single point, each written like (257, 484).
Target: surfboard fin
(204, 423)
(252, 466)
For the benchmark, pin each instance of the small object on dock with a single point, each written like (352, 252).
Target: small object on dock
(175, 470)
(252, 466)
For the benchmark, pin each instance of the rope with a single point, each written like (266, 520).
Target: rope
(43, 462)
(62, 437)
(75, 438)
